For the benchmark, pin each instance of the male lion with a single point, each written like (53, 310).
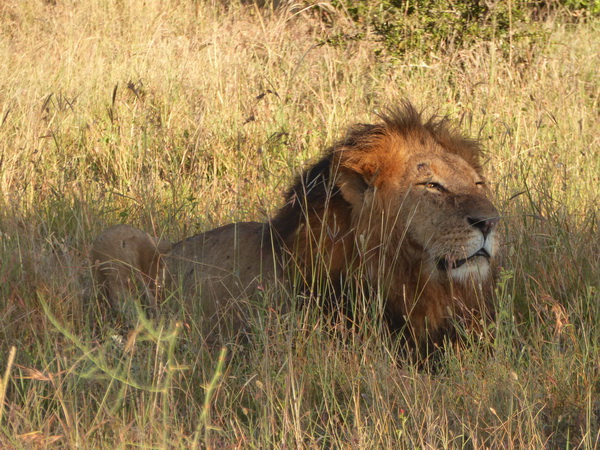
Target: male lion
(400, 207)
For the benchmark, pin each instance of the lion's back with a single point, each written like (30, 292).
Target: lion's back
(220, 269)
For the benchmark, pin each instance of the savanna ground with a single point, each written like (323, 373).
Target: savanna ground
(178, 116)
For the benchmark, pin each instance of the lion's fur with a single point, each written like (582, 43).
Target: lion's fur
(124, 257)
(401, 204)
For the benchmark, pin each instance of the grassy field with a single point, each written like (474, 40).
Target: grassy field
(179, 116)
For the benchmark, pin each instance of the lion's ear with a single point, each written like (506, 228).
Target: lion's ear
(353, 186)
(355, 173)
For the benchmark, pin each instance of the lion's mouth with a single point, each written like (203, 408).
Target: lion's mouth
(446, 263)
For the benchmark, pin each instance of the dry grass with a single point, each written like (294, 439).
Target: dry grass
(180, 116)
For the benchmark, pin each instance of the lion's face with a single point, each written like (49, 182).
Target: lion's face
(448, 217)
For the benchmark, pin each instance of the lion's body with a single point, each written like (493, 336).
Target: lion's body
(402, 205)
(218, 271)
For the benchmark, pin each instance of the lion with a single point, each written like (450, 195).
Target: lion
(400, 208)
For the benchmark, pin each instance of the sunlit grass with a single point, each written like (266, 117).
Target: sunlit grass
(177, 117)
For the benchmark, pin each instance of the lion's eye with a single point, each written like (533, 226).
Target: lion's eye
(433, 185)
(480, 183)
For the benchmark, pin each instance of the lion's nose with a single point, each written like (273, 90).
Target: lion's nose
(484, 225)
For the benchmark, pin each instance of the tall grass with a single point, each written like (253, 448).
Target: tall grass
(181, 116)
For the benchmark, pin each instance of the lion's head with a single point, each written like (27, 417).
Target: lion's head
(406, 200)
